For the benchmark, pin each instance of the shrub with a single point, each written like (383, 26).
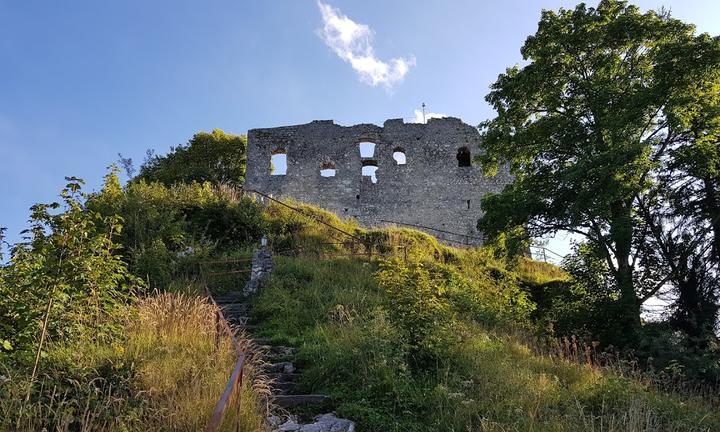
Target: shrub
(168, 229)
(68, 275)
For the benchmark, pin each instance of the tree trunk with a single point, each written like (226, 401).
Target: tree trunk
(621, 234)
(697, 310)
(712, 211)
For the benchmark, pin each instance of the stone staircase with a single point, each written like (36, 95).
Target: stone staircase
(285, 376)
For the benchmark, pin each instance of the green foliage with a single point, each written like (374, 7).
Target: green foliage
(167, 229)
(583, 303)
(585, 127)
(306, 229)
(215, 157)
(360, 328)
(417, 303)
(409, 243)
(70, 266)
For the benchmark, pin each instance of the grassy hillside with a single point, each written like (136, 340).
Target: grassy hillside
(443, 341)
(405, 333)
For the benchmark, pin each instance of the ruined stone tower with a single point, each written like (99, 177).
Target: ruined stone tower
(410, 174)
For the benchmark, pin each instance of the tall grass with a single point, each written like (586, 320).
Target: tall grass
(166, 375)
(489, 377)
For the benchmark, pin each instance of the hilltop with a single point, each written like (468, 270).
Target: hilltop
(401, 331)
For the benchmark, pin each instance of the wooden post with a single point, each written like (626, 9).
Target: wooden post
(217, 329)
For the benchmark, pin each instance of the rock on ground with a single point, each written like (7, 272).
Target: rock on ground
(322, 423)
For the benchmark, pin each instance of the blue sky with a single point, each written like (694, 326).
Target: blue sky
(81, 81)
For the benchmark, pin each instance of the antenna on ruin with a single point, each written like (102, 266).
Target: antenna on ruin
(423, 110)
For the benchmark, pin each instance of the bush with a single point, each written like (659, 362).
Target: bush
(417, 303)
(68, 275)
(168, 229)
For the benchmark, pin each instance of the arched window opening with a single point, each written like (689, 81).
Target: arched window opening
(367, 149)
(463, 157)
(278, 163)
(399, 156)
(369, 169)
(327, 169)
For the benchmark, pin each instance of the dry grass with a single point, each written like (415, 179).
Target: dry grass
(166, 376)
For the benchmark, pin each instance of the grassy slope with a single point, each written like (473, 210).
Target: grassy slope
(165, 375)
(488, 379)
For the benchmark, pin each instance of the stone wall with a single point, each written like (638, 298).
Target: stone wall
(260, 270)
(430, 189)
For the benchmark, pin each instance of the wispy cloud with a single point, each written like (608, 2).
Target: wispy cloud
(352, 42)
(428, 116)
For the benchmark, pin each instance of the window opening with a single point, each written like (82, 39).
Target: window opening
(369, 169)
(328, 170)
(463, 157)
(278, 163)
(399, 156)
(367, 149)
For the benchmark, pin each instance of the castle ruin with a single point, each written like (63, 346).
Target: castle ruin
(408, 174)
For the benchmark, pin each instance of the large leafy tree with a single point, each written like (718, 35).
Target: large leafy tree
(216, 157)
(585, 125)
(685, 200)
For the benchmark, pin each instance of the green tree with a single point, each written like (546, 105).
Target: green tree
(583, 126)
(683, 208)
(67, 280)
(215, 157)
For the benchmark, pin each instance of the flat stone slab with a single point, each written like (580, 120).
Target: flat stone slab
(283, 388)
(230, 297)
(322, 423)
(287, 401)
(235, 309)
(284, 377)
(282, 367)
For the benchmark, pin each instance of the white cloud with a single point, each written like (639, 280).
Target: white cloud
(352, 42)
(428, 116)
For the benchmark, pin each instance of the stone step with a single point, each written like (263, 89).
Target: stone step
(272, 357)
(248, 328)
(238, 322)
(321, 423)
(288, 401)
(281, 367)
(283, 388)
(282, 377)
(279, 350)
(235, 309)
(229, 297)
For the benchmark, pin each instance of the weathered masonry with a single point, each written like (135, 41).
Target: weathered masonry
(403, 173)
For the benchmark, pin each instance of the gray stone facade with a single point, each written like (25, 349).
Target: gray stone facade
(430, 190)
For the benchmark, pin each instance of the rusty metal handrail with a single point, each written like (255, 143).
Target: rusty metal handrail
(236, 377)
(467, 236)
(304, 213)
(229, 272)
(232, 386)
(227, 261)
